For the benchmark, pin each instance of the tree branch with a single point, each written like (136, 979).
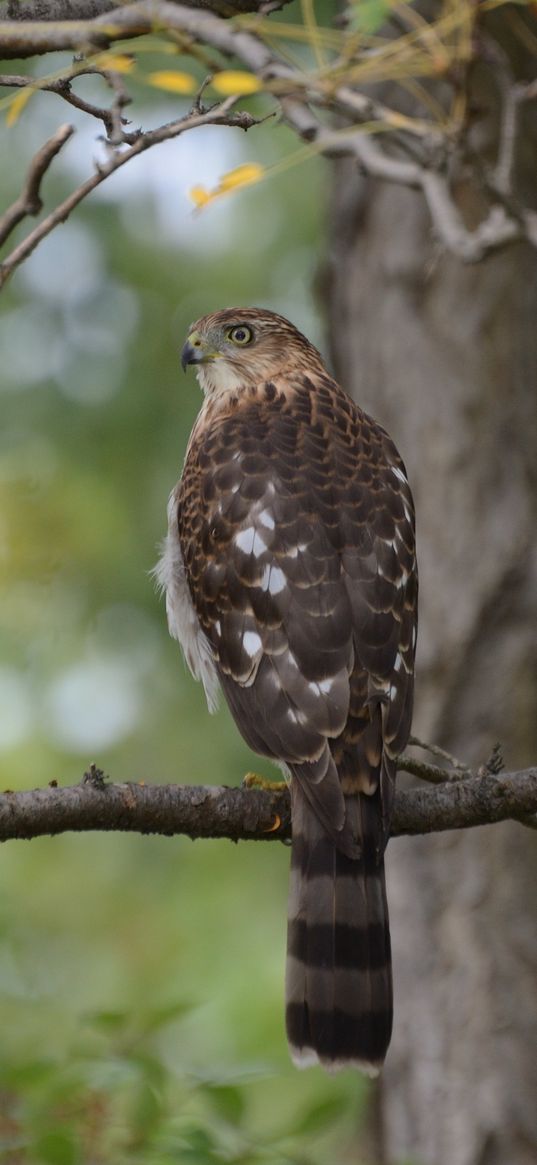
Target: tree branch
(247, 814)
(54, 10)
(63, 87)
(423, 153)
(34, 38)
(19, 10)
(219, 115)
(29, 200)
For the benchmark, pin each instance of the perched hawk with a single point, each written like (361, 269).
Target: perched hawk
(290, 577)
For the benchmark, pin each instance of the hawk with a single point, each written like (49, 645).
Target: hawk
(290, 576)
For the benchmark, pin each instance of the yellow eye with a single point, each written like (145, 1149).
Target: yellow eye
(240, 335)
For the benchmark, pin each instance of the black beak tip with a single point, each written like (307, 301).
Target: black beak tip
(187, 355)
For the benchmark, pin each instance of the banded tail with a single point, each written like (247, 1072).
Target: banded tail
(338, 980)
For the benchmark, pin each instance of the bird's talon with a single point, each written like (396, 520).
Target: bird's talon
(273, 828)
(254, 781)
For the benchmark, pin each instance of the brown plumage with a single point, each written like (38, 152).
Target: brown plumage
(291, 582)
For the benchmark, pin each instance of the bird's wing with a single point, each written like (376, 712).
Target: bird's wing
(296, 529)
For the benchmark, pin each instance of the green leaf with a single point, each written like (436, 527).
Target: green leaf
(228, 1101)
(369, 15)
(200, 1147)
(158, 1017)
(57, 1147)
(34, 1072)
(109, 1021)
(147, 1112)
(320, 1115)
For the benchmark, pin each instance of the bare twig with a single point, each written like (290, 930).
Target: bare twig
(435, 750)
(427, 772)
(352, 141)
(494, 764)
(63, 88)
(495, 231)
(208, 811)
(510, 97)
(219, 115)
(29, 201)
(435, 775)
(503, 172)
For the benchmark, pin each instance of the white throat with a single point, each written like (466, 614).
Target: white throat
(219, 377)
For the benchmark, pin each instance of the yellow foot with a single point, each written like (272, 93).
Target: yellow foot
(254, 781)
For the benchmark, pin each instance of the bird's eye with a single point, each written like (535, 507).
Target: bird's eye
(240, 335)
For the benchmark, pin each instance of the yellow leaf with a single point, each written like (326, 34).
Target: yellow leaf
(116, 62)
(200, 196)
(241, 176)
(18, 103)
(172, 81)
(233, 82)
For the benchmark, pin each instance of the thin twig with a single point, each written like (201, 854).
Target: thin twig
(351, 141)
(63, 88)
(29, 201)
(435, 750)
(503, 171)
(495, 231)
(427, 772)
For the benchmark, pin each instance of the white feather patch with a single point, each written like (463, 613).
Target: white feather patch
(250, 542)
(307, 1058)
(251, 643)
(183, 621)
(218, 376)
(273, 580)
(265, 519)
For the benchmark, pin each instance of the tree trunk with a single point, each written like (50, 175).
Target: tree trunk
(445, 356)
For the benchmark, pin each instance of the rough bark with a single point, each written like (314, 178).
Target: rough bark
(88, 9)
(247, 814)
(446, 357)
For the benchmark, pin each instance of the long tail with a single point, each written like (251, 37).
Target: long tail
(339, 981)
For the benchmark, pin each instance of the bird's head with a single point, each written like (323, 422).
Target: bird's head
(237, 347)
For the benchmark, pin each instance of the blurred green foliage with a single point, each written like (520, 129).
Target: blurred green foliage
(141, 979)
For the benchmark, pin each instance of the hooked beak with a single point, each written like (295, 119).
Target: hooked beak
(194, 352)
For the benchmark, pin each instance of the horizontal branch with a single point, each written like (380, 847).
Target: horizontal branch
(54, 10)
(57, 9)
(34, 38)
(242, 814)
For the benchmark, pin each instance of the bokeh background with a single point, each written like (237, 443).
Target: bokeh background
(141, 979)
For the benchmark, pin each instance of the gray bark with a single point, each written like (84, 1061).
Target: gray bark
(446, 357)
(88, 9)
(245, 814)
